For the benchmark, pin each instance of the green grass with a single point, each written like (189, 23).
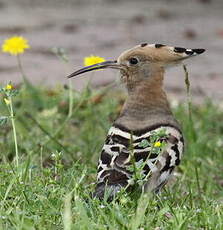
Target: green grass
(57, 167)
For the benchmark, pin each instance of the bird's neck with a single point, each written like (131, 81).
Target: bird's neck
(146, 105)
(148, 95)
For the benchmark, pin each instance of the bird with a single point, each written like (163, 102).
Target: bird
(145, 143)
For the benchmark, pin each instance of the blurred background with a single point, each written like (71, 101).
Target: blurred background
(108, 27)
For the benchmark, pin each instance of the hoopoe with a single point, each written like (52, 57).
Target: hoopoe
(146, 112)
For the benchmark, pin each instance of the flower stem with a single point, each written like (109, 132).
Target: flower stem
(14, 132)
(187, 82)
(189, 103)
(21, 68)
(71, 101)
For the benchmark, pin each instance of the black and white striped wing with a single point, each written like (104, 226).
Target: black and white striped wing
(121, 145)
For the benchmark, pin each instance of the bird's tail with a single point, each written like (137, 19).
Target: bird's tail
(108, 191)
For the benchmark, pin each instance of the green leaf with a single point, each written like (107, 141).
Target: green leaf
(144, 143)
(3, 120)
(60, 53)
(12, 93)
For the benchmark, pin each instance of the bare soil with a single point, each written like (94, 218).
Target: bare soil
(106, 28)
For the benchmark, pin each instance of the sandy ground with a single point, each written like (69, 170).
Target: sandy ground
(106, 28)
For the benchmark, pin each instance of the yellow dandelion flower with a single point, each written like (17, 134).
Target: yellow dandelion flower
(9, 87)
(7, 101)
(157, 144)
(91, 60)
(15, 45)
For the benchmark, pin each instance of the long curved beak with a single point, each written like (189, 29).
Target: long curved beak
(102, 65)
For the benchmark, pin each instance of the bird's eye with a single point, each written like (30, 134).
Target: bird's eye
(133, 61)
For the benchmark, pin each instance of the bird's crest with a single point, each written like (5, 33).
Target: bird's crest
(159, 53)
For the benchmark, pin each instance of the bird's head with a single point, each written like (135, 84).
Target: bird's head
(143, 62)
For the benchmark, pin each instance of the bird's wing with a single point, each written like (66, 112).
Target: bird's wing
(152, 155)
